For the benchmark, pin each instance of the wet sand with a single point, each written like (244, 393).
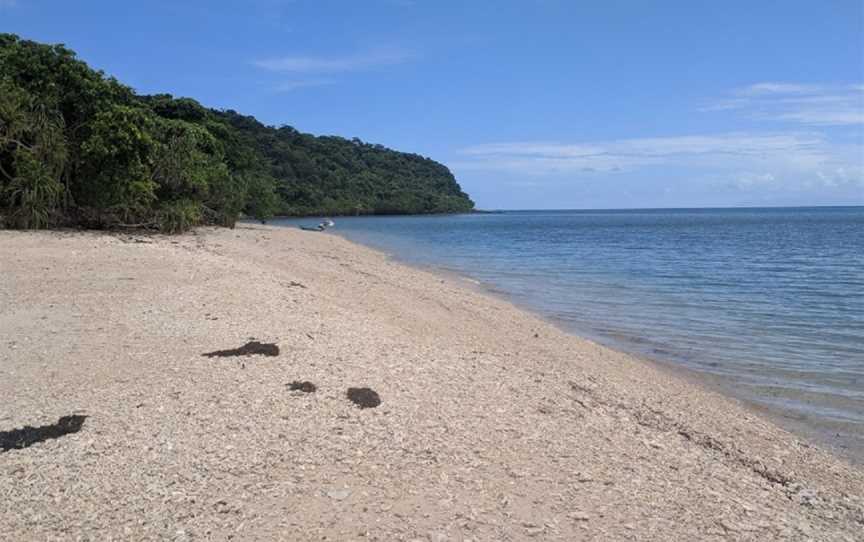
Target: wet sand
(492, 424)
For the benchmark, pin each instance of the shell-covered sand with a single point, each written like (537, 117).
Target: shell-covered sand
(493, 425)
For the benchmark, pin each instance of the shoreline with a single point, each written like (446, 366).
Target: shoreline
(494, 422)
(847, 447)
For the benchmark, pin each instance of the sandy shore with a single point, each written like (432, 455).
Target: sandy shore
(493, 424)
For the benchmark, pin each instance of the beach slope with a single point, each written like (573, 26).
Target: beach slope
(493, 424)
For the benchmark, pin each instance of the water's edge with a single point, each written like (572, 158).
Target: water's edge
(846, 447)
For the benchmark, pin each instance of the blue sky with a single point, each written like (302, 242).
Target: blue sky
(532, 103)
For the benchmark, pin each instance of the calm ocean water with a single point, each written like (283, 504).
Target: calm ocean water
(769, 301)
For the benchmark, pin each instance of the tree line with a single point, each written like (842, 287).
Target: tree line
(78, 148)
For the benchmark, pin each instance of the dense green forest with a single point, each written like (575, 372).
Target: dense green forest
(78, 148)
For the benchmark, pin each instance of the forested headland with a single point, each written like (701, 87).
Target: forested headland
(78, 148)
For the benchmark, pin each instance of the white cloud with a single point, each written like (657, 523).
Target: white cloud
(334, 64)
(827, 117)
(805, 159)
(761, 89)
(8, 3)
(289, 86)
(806, 104)
(743, 161)
(629, 154)
(749, 180)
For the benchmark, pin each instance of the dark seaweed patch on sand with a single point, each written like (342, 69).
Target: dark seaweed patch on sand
(364, 397)
(249, 349)
(28, 436)
(304, 386)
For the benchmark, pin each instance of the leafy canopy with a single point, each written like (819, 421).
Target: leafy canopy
(80, 148)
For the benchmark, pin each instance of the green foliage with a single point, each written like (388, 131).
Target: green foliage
(225, 198)
(186, 159)
(115, 164)
(337, 176)
(179, 215)
(33, 195)
(262, 201)
(32, 158)
(79, 148)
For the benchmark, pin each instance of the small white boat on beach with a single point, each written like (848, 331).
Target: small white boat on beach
(323, 225)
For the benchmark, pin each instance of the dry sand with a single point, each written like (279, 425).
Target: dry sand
(493, 425)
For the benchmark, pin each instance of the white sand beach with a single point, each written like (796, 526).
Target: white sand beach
(493, 424)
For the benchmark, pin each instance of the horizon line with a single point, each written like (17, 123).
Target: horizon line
(834, 206)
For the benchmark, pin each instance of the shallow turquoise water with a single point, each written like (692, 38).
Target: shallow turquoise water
(771, 301)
